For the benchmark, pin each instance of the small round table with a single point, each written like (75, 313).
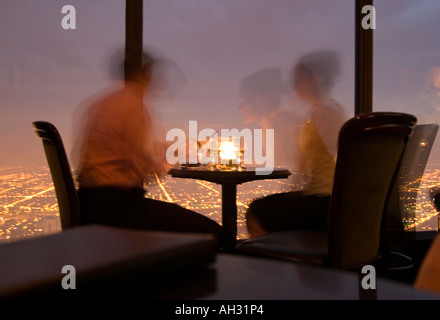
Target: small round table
(229, 181)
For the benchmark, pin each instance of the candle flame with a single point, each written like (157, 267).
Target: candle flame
(228, 150)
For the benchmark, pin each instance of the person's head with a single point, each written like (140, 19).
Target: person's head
(121, 71)
(314, 74)
(260, 93)
(142, 76)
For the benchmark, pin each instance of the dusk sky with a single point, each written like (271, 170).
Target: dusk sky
(46, 71)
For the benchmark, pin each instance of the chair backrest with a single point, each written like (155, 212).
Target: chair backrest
(370, 150)
(402, 204)
(61, 173)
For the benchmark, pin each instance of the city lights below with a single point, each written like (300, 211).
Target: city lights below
(10, 205)
(160, 184)
(29, 207)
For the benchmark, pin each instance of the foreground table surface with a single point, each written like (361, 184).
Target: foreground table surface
(100, 256)
(235, 277)
(149, 266)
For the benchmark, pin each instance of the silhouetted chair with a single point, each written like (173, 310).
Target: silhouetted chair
(370, 150)
(61, 173)
(403, 199)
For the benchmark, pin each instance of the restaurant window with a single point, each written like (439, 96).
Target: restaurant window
(46, 71)
(407, 79)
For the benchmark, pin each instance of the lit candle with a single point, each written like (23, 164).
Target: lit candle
(229, 152)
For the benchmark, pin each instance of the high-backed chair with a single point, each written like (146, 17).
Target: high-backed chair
(370, 150)
(403, 199)
(61, 173)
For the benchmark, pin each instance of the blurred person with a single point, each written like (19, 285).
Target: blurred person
(313, 76)
(118, 154)
(261, 102)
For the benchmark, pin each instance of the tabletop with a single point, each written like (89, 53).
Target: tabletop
(228, 177)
